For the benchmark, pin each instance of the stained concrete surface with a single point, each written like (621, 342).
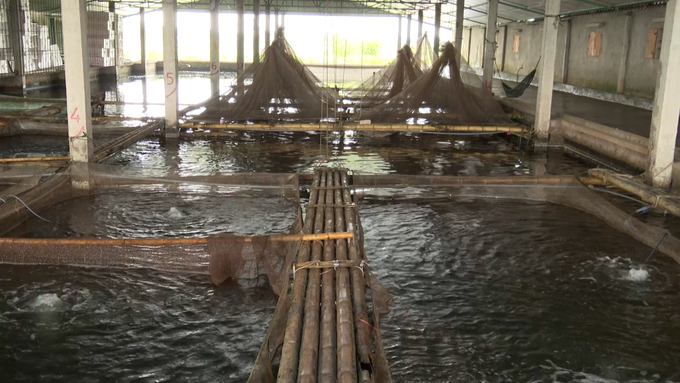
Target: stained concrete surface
(627, 118)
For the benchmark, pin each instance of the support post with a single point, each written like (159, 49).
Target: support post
(239, 48)
(664, 129)
(215, 48)
(567, 52)
(77, 73)
(546, 74)
(625, 47)
(399, 34)
(490, 44)
(170, 66)
(256, 31)
(276, 21)
(420, 24)
(267, 21)
(16, 40)
(408, 30)
(283, 19)
(142, 38)
(460, 14)
(437, 26)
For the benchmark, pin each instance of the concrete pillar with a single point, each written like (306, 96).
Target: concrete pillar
(276, 21)
(170, 66)
(460, 14)
(625, 47)
(666, 109)
(77, 73)
(437, 25)
(214, 48)
(16, 40)
(408, 30)
(399, 34)
(420, 23)
(256, 31)
(267, 21)
(546, 74)
(490, 45)
(283, 19)
(240, 59)
(142, 38)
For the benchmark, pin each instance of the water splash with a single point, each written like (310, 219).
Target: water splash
(47, 302)
(637, 275)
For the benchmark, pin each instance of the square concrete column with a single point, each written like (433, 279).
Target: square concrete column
(276, 21)
(214, 48)
(256, 31)
(460, 18)
(420, 24)
(240, 58)
(268, 23)
(666, 109)
(437, 25)
(142, 38)
(408, 30)
(399, 34)
(170, 66)
(490, 45)
(16, 39)
(77, 72)
(546, 74)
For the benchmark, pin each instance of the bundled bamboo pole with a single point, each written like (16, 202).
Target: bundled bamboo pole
(362, 328)
(309, 350)
(645, 192)
(328, 347)
(291, 342)
(161, 241)
(347, 371)
(34, 159)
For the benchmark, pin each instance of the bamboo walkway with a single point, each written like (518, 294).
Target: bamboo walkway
(329, 334)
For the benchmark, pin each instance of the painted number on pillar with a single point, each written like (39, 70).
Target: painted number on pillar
(213, 67)
(170, 78)
(170, 81)
(76, 117)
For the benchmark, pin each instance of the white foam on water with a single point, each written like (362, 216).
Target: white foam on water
(47, 302)
(175, 213)
(637, 275)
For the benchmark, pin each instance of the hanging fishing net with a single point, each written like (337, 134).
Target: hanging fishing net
(129, 218)
(443, 95)
(395, 77)
(277, 88)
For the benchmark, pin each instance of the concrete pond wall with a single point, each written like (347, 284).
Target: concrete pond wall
(623, 65)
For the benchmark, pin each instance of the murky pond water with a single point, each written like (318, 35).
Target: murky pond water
(483, 290)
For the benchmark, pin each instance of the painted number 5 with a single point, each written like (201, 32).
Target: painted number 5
(170, 78)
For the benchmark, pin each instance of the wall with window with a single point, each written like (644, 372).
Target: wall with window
(591, 50)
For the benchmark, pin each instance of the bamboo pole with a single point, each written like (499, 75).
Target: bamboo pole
(327, 354)
(63, 119)
(291, 342)
(645, 192)
(126, 140)
(309, 349)
(359, 127)
(34, 159)
(347, 370)
(363, 330)
(162, 241)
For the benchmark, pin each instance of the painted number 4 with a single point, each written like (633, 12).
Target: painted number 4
(75, 116)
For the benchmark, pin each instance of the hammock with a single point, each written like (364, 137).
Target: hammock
(519, 89)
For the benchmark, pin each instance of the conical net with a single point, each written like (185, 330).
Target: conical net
(395, 77)
(277, 88)
(443, 95)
